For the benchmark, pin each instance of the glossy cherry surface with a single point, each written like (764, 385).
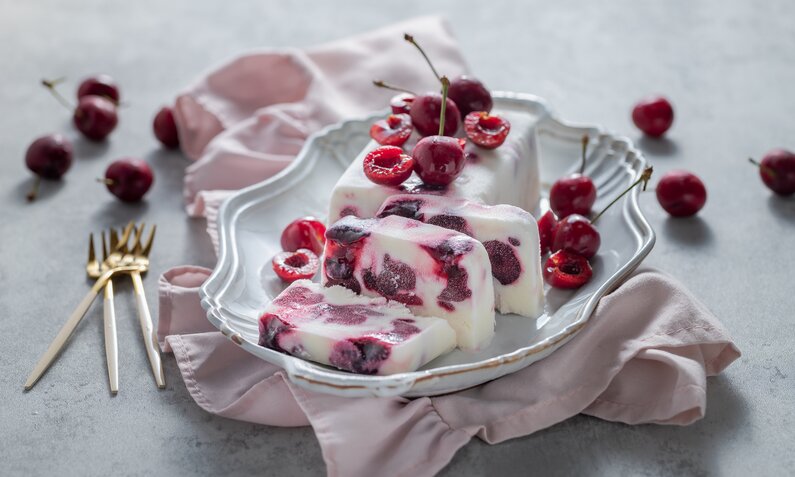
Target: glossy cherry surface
(99, 85)
(426, 111)
(401, 103)
(546, 230)
(306, 232)
(486, 130)
(388, 165)
(576, 234)
(653, 115)
(165, 128)
(470, 95)
(681, 193)
(574, 194)
(567, 270)
(49, 156)
(129, 179)
(438, 160)
(394, 130)
(95, 117)
(292, 266)
(777, 171)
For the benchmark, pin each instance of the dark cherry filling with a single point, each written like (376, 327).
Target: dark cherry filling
(447, 255)
(360, 355)
(271, 329)
(349, 230)
(452, 222)
(299, 296)
(409, 209)
(514, 241)
(395, 282)
(349, 314)
(505, 266)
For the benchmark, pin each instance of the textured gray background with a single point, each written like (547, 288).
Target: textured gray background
(728, 66)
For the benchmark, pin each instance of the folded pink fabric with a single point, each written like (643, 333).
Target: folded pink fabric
(246, 120)
(644, 357)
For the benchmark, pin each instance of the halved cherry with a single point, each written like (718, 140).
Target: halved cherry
(486, 130)
(292, 266)
(567, 270)
(306, 232)
(388, 165)
(401, 103)
(546, 230)
(392, 131)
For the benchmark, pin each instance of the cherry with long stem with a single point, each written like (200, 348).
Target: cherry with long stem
(644, 178)
(51, 85)
(411, 40)
(585, 141)
(445, 87)
(765, 168)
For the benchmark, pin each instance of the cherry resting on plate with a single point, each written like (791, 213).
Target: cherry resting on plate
(48, 157)
(470, 95)
(165, 128)
(99, 85)
(426, 111)
(128, 179)
(94, 116)
(567, 270)
(395, 130)
(575, 193)
(546, 230)
(681, 193)
(653, 115)
(388, 165)
(306, 232)
(777, 171)
(439, 159)
(292, 266)
(486, 130)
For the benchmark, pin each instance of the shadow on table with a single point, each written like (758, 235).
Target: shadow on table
(782, 207)
(689, 231)
(47, 189)
(657, 146)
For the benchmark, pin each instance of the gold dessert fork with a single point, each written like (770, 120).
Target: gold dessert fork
(138, 256)
(68, 328)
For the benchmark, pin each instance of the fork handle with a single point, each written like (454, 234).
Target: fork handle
(147, 329)
(66, 331)
(111, 340)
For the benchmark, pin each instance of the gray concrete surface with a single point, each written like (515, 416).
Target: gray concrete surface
(728, 66)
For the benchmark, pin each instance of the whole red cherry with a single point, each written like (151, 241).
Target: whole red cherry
(469, 94)
(129, 179)
(99, 85)
(576, 234)
(95, 117)
(653, 115)
(575, 193)
(438, 160)
(306, 232)
(777, 171)
(681, 193)
(546, 230)
(567, 270)
(48, 157)
(165, 128)
(426, 110)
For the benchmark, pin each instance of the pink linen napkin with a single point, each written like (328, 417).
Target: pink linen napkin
(643, 358)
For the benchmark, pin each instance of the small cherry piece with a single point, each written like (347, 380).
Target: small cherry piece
(546, 230)
(395, 130)
(401, 103)
(653, 115)
(165, 128)
(567, 270)
(486, 130)
(128, 179)
(95, 117)
(470, 95)
(306, 232)
(99, 85)
(777, 171)
(388, 165)
(48, 157)
(292, 266)
(681, 193)
(573, 194)
(426, 111)
(576, 234)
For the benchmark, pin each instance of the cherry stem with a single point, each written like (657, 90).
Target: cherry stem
(411, 40)
(34, 190)
(445, 86)
(105, 181)
(585, 140)
(767, 169)
(644, 178)
(51, 85)
(384, 85)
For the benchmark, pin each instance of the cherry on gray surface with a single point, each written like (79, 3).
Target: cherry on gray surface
(726, 66)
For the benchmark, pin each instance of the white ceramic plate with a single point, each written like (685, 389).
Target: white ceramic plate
(251, 221)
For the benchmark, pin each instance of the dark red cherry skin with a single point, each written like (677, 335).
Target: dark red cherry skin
(574, 194)
(567, 270)
(129, 179)
(469, 95)
(546, 230)
(653, 115)
(292, 266)
(395, 130)
(486, 130)
(306, 232)
(778, 171)
(401, 103)
(576, 234)
(99, 85)
(95, 117)
(165, 128)
(388, 165)
(681, 193)
(49, 156)
(438, 160)
(425, 115)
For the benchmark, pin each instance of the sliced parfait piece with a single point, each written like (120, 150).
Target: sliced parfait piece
(366, 335)
(433, 270)
(509, 235)
(505, 175)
